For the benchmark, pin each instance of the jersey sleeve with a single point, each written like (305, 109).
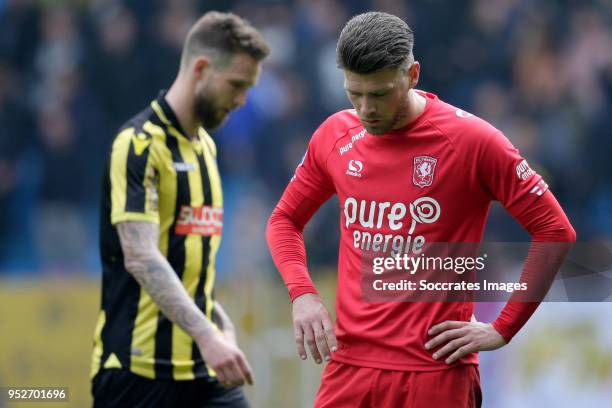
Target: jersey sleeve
(506, 175)
(311, 177)
(133, 178)
(508, 178)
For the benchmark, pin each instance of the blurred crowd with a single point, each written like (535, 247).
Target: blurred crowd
(71, 72)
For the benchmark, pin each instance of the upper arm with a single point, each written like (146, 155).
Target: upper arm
(139, 239)
(312, 178)
(133, 178)
(506, 175)
(522, 191)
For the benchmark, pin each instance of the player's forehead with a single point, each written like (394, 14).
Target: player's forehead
(242, 68)
(374, 82)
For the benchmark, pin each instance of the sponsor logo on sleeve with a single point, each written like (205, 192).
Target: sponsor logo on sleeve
(523, 171)
(463, 114)
(300, 164)
(539, 188)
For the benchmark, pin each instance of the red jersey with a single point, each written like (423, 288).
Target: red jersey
(430, 181)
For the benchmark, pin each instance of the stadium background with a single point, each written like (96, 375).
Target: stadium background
(72, 71)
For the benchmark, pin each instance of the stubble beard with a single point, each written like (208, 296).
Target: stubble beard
(207, 113)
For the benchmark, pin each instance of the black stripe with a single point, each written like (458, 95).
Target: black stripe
(135, 173)
(120, 291)
(200, 299)
(176, 258)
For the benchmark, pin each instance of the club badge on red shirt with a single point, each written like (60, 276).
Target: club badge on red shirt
(423, 170)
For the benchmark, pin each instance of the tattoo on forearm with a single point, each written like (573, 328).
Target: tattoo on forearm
(139, 242)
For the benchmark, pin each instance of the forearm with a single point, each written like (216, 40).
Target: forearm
(288, 252)
(539, 271)
(155, 275)
(552, 238)
(157, 278)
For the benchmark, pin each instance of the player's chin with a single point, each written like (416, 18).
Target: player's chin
(215, 123)
(376, 130)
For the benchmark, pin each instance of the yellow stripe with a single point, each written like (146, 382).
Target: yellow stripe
(167, 200)
(148, 181)
(181, 341)
(118, 172)
(132, 216)
(112, 362)
(98, 346)
(145, 325)
(215, 240)
(208, 140)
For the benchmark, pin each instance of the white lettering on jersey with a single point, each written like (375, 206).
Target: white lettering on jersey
(372, 215)
(523, 171)
(354, 139)
(354, 168)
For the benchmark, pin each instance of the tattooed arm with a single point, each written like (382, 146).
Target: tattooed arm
(144, 261)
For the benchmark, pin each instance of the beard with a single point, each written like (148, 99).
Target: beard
(386, 126)
(383, 127)
(380, 129)
(207, 112)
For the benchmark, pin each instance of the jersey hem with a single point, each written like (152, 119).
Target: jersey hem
(385, 365)
(131, 216)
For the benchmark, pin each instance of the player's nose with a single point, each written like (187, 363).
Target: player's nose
(367, 108)
(240, 100)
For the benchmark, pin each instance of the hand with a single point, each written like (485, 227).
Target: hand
(227, 360)
(311, 321)
(463, 338)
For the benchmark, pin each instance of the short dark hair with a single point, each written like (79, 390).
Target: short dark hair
(221, 35)
(373, 41)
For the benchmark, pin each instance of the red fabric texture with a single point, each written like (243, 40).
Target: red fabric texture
(347, 386)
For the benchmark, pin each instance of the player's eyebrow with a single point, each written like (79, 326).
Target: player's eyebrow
(383, 88)
(241, 83)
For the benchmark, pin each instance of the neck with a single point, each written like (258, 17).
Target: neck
(181, 99)
(414, 107)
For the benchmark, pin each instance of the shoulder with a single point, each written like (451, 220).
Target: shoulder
(145, 124)
(337, 127)
(208, 141)
(462, 128)
(138, 133)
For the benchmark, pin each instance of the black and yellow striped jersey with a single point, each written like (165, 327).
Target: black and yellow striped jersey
(157, 174)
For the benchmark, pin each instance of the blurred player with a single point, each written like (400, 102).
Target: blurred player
(161, 338)
(398, 152)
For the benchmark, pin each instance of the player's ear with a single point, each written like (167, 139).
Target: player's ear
(200, 66)
(413, 73)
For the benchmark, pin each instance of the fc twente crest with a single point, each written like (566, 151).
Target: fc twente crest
(423, 171)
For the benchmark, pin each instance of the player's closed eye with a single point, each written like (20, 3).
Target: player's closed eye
(238, 85)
